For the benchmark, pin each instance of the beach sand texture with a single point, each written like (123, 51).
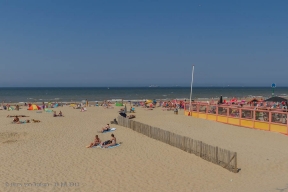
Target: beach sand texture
(53, 152)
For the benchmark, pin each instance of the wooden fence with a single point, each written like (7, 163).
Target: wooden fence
(216, 155)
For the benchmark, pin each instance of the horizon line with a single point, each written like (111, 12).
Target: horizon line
(146, 87)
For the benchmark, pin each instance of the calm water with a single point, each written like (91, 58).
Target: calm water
(99, 94)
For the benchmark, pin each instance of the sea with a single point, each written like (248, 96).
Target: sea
(78, 94)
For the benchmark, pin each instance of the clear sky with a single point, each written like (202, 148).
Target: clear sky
(138, 43)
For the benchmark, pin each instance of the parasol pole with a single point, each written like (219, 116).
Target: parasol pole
(191, 87)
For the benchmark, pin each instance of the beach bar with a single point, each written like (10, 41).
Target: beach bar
(265, 119)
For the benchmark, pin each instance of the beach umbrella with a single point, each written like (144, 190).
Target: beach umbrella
(34, 107)
(276, 99)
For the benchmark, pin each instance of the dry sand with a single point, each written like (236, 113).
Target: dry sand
(43, 156)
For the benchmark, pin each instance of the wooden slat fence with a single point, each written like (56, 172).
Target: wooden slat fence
(226, 159)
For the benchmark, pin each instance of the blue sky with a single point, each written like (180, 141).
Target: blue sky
(138, 43)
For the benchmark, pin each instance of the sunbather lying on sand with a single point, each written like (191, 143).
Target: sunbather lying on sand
(131, 116)
(96, 142)
(17, 116)
(22, 122)
(110, 142)
(106, 128)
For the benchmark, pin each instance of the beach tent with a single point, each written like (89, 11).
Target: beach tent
(276, 99)
(34, 107)
(118, 104)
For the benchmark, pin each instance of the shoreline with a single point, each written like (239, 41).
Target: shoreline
(113, 101)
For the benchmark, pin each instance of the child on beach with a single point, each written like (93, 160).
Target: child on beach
(96, 142)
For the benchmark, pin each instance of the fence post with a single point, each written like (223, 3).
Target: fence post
(217, 160)
(200, 149)
(235, 165)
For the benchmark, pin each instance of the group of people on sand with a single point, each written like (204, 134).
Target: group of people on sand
(59, 115)
(105, 144)
(18, 121)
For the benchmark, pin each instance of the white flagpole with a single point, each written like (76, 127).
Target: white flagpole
(191, 88)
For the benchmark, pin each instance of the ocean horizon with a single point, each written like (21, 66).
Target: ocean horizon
(74, 94)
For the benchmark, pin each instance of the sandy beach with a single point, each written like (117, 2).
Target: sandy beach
(51, 155)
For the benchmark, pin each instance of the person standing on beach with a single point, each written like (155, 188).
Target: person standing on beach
(86, 103)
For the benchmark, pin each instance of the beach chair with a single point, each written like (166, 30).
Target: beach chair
(132, 110)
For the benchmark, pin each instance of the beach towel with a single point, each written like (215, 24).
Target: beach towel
(110, 130)
(98, 146)
(117, 145)
(48, 110)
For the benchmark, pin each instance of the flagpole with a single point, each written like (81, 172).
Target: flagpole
(191, 87)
